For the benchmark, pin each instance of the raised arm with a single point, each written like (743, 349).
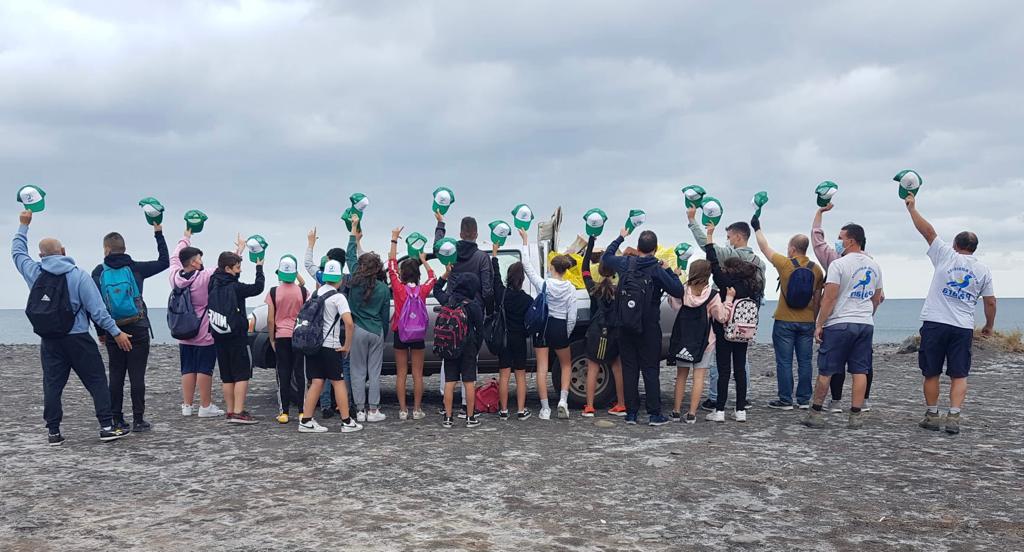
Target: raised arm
(352, 254)
(311, 267)
(923, 227)
(531, 272)
(255, 288)
(499, 286)
(440, 288)
(762, 240)
(162, 262)
(696, 229)
(27, 267)
(439, 232)
(615, 262)
(588, 279)
(823, 250)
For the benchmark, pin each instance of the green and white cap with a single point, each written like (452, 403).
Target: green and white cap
(825, 191)
(636, 218)
(32, 197)
(523, 216)
(500, 231)
(332, 272)
(595, 219)
(287, 269)
(758, 201)
(359, 202)
(415, 242)
(711, 211)
(347, 217)
(195, 219)
(153, 210)
(444, 198)
(446, 250)
(683, 253)
(257, 247)
(693, 195)
(909, 181)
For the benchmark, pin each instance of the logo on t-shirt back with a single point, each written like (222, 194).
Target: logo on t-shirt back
(864, 283)
(959, 280)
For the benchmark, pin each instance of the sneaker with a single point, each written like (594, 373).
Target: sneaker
(448, 422)
(952, 423)
(361, 416)
(503, 414)
(186, 410)
(834, 406)
(675, 416)
(120, 423)
(282, 418)
(856, 420)
(804, 406)
(55, 439)
(141, 426)
(716, 416)
(630, 419)
(524, 414)
(545, 413)
(708, 405)
(403, 415)
(690, 418)
(780, 405)
(351, 426)
(932, 421)
(442, 412)
(228, 417)
(814, 419)
(418, 415)
(563, 411)
(589, 411)
(311, 427)
(376, 416)
(244, 418)
(211, 411)
(462, 413)
(113, 433)
(866, 407)
(617, 410)
(472, 421)
(656, 420)
(326, 413)
(741, 415)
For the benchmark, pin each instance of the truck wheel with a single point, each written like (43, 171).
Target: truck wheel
(605, 389)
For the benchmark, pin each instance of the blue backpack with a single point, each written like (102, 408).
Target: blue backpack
(536, 319)
(800, 287)
(121, 295)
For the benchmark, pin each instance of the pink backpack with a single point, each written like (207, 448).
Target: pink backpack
(487, 397)
(412, 321)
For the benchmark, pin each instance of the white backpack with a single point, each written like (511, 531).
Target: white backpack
(742, 325)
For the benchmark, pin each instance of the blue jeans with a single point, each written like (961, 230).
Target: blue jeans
(326, 400)
(788, 337)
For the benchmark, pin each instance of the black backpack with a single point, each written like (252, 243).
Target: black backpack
(496, 329)
(800, 287)
(227, 319)
(49, 306)
(309, 333)
(691, 332)
(182, 319)
(633, 295)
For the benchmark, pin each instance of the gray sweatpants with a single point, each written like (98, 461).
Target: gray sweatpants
(366, 358)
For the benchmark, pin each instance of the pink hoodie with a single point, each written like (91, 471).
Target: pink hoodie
(200, 284)
(717, 310)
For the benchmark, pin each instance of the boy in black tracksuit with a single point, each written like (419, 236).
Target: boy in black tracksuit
(462, 291)
(514, 302)
(132, 363)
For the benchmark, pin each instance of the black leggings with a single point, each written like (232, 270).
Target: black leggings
(133, 364)
(731, 357)
(291, 378)
(836, 386)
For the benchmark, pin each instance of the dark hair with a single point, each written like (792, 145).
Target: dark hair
(605, 288)
(647, 242)
(114, 242)
(855, 232)
(336, 254)
(562, 263)
(745, 272)
(468, 231)
(228, 259)
(967, 241)
(409, 271)
(367, 272)
(515, 276)
(800, 242)
(741, 228)
(188, 253)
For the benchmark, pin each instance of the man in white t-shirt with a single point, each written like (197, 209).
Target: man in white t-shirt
(846, 323)
(947, 330)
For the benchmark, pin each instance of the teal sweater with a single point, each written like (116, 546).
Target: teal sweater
(373, 314)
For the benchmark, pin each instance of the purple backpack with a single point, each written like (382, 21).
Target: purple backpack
(412, 321)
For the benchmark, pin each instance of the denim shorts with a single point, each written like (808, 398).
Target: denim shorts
(845, 347)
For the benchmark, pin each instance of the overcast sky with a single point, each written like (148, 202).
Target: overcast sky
(268, 115)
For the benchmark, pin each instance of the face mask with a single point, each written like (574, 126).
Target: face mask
(840, 248)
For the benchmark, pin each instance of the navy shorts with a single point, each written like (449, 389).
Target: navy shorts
(197, 359)
(944, 343)
(555, 334)
(845, 347)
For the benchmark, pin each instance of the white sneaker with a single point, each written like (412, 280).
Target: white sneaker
(739, 415)
(186, 410)
(376, 416)
(351, 427)
(716, 416)
(563, 411)
(403, 415)
(210, 411)
(361, 416)
(836, 407)
(866, 407)
(418, 415)
(311, 427)
(545, 413)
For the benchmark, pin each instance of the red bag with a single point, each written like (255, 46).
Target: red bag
(487, 397)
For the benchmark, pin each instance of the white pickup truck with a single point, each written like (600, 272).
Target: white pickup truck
(547, 240)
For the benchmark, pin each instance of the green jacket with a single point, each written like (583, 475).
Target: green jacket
(374, 314)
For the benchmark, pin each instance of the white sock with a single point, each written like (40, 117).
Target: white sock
(563, 397)
(933, 409)
(544, 404)
(954, 411)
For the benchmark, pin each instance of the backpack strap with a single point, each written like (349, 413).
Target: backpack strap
(796, 263)
(273, 296)
(304, 291)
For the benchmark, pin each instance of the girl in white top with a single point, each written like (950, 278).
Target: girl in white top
(561, 300)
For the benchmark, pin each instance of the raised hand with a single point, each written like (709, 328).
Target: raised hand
(525, 235)
(311, 238)
(26, 217)
(397, 232)
(691, 213)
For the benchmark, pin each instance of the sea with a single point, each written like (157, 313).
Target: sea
(895, 321)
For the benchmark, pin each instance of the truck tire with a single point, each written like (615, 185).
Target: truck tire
(260, 351)
(604, 393)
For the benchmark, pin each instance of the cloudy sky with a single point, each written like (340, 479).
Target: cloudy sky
(267, 115)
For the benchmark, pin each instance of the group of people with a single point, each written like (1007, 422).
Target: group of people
(329, 343)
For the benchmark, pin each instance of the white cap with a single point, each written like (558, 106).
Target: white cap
(332, 271)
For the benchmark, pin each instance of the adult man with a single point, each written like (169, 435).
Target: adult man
(947, 331)
(845, 325)
(799, 298)
(112, 277)
(641, 351)
(737, 236)
(67, 345)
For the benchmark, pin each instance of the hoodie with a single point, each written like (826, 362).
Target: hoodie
(238, 320)
(141, 270)
(561, 294)
(85, 298)
(665, 281)
(199, 281)
(470, 260)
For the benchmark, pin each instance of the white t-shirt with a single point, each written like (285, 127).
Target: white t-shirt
(958, 282)
(335, 305)
(859, 279)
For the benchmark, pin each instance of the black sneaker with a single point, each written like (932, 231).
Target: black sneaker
(472, 421)
(690, 419)
(448, 422)
(442, 412)
(56, 439)
(780, 405)
(462, 412)
(120, 423)
(326, 413)
(708, 405)
(524, 414)
(676, 416)
(141, 426)
(503, 414)
(113, 433)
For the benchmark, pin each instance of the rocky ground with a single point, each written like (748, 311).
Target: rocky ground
(770, 484)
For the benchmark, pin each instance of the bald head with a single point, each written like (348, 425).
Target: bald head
(798, 245)
(49, 247)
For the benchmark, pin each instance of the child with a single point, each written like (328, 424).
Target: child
(228, 323)
(405, 279)
(283, 305)
(370, 302)
(698, 293)
(602, 341)
(462, 294)
(511, 302)
(561, 299)
(326, 363)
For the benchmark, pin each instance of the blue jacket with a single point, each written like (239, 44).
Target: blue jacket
(85, 298)
(665, 281)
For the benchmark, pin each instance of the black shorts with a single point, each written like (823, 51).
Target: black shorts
(462, 368)
(944, 343)
(403, 346)
(602, 344)
(233, 360)
(514, 354)
(325, 364)
(555, 336)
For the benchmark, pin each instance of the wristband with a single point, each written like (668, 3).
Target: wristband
(394, 242)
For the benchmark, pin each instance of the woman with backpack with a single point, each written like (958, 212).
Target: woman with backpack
(733, 336)
(693, 341)
(409, 323)
(558, 296)
(602, 340)
(511, 303)
(370, 302)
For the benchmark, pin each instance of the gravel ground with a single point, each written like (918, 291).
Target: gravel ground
(770, 484)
